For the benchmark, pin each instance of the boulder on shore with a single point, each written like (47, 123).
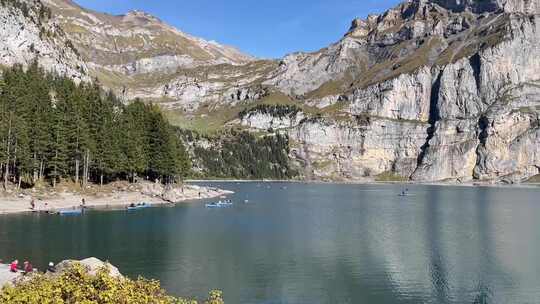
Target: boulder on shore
(92, 265)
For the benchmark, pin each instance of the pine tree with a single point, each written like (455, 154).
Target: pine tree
(40, 116)
(134, 147)
(52, 128)
(58, 154)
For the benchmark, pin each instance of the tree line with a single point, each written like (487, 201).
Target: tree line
(240, 154)
(277, 110)
(53, 129)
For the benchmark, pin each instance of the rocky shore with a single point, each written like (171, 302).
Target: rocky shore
(6, 276)
(114, 196)
(92, 265)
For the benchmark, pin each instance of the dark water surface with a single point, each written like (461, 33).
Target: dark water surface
(298, 243)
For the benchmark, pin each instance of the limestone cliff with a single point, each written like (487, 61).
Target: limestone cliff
(428, 91)
(28, 32)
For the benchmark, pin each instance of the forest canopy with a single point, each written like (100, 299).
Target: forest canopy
(52, 129)
(239, 154)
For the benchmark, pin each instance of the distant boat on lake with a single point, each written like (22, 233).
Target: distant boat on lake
(71, 212)
(404, 193)
(220, 204)
(138, 207)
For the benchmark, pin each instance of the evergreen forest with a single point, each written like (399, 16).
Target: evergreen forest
(52, 129)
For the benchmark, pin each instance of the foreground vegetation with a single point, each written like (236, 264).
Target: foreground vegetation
(76, 285)
(52, 129)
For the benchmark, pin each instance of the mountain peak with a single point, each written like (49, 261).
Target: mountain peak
(137, 42)
(482, 6)
(141, 14)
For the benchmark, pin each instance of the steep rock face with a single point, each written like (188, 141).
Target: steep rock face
(27, 34)
(302, 73)
(494, 93)
(509, 6)
(264, 121)
(406, 97)
(189, 91)
(357, 149)
(478, 106)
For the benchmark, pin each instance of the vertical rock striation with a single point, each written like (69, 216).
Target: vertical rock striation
(471, 112)
(28, 33)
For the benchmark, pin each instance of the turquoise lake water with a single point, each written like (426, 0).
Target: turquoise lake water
(313, 243)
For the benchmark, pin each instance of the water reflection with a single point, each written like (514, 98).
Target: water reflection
(315, 244)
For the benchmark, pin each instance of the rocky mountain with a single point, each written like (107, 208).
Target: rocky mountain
(441, 91)
(28, 32)
(137, 43)
(137, 54)
(428, 91)
(431, 90)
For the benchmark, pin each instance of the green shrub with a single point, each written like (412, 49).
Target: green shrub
(76, 285)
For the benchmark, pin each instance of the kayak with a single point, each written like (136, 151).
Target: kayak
(219, 205)
(71, 212)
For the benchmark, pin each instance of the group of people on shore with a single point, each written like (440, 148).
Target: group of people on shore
(28, 267)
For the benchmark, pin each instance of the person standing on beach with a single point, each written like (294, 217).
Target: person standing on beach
(32, 204)
(28, 268)
(13, 267)
(51, 268)
(83, 203)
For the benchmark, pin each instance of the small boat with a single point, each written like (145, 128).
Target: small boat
(71, 212)
(220, 204)
(138, 207)
(404, 193)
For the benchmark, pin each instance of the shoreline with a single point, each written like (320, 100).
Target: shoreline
(152, 194)
(156, 196)
(92, 265)
(315, 182)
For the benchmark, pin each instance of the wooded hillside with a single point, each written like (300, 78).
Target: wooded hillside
(53, 129)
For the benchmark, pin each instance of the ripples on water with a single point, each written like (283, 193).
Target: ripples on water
(314, 243)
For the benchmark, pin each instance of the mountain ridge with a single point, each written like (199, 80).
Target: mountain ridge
(440, 90)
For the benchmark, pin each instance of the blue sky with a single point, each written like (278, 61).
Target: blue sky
(264, 28)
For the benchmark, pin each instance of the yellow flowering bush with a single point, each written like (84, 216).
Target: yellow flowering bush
(77, 286)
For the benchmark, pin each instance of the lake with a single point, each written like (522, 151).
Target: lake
(313, 243)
